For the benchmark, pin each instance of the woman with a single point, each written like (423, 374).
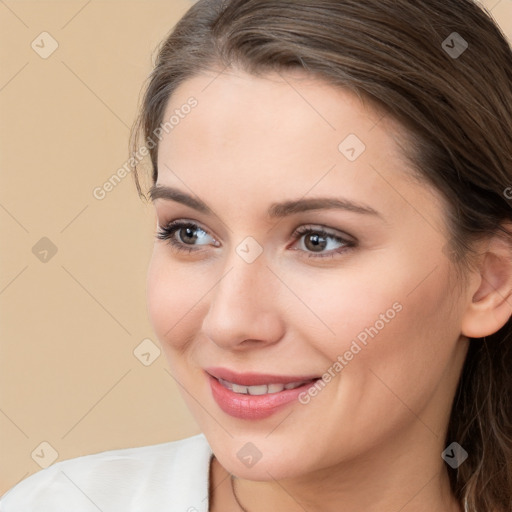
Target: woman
(331, 279)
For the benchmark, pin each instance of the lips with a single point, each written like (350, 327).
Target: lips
(255, 396)
(256, 379)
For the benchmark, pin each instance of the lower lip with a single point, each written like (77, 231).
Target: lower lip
(253, 407)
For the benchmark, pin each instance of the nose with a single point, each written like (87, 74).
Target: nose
(244, 310)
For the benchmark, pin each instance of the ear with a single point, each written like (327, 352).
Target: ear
(490, 293)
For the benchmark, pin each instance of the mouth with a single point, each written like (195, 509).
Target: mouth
(252, 379)
(254, 396)
(262, 389)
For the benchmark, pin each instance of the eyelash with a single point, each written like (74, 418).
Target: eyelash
(167, 233)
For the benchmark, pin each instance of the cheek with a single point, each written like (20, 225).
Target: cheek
(339, 305)
(407, 340)
(395, 341)
(173, 295)
(381, 318)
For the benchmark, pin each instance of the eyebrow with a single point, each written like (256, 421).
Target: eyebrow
(276, 210)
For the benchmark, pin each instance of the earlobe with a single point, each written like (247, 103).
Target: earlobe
(490, 299)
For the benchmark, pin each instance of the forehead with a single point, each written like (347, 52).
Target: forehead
(279, 135)
(285, 104)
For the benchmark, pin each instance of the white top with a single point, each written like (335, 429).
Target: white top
(166, 477)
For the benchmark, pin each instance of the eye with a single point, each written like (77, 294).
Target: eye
(181, 234)
(316, 240)
(184, 235)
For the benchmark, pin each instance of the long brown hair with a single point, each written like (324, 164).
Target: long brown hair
(443, 69)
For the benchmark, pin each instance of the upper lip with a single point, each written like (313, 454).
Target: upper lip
(256, 379)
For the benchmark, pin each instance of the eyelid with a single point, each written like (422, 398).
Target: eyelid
(306, 228)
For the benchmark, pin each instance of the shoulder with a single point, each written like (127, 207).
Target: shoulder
(165, 476)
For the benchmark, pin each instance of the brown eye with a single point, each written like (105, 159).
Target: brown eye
(183, 235)
(187, 235)
(314, 242)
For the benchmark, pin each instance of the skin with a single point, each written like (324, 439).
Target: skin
(372, 439)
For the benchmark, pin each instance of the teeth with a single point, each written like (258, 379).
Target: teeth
(239, 389)
(259, 390)
(275, 388)
(293, 385)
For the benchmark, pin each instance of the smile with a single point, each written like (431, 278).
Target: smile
(255, 396)
(262, 389)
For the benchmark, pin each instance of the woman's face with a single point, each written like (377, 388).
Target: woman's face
(314, 254)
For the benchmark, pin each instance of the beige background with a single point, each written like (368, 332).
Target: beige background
(70, 324)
